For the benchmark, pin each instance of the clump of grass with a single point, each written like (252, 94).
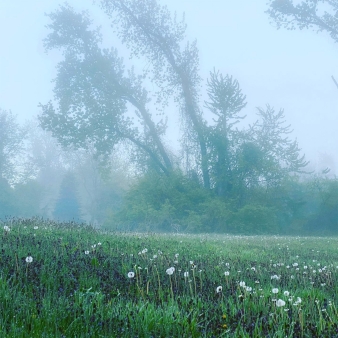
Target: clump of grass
(66, 280)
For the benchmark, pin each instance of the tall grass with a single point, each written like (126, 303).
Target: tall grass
(85, 283)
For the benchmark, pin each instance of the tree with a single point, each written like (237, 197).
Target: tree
(150, 31)
(92, 93)
(319, 15)
(67, 207)
(306, 15)
(225, 102)
(11, 140)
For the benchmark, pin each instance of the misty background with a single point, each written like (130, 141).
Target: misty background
(285, 69)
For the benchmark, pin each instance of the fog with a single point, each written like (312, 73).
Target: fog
(223, 122)
(286, 69)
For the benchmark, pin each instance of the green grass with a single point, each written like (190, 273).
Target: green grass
(66, 292)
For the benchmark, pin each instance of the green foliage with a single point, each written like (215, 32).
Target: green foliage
(254, 219)
(158, 202)
(323, 217)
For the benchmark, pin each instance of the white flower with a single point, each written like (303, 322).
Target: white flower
(275, 277)
(253, 268)
(29, 259)
(191, 262)
(7, 228)
(248, 288)
(99, 243)
(144, 250)
(175, 262)
(170, 271)
(295, 264)
(286, 293)
(176, 255)
(131, 274)
(242, 284)
(186, 274)
(86, 252)
(280, 302)
(93, 246)
(36, 228)
(275, 290)
(226, 273)
(155, 256)
(219, 289)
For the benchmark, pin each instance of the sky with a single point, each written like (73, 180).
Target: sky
(288, 70)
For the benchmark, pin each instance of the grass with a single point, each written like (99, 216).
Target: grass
(77, 284)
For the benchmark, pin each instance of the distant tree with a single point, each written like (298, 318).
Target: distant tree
(11, 145)
(67, 207)
(7, 201)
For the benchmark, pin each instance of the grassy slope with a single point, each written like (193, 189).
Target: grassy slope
(65, 292)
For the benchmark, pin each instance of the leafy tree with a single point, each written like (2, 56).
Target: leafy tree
(148, 30)
(319, 15)
(92, 93)
(67, 207)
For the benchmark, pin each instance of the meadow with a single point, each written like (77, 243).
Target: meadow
(70, 280)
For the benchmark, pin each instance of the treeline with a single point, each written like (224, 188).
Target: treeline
(74, 185)
(227, 175)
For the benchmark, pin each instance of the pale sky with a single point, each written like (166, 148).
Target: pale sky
(286, 69)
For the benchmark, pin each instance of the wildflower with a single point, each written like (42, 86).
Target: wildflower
(219, 289)
(275, 277)
(93, 246)
(186, 274)
(99, 243)
(224, 316)
(295, 264)
(224, 326)
(29, 259)
(155, 256)
(170, 271)
(286, 293)
(191, 262)
(226, 273)
(144, 250)
(280, 303)
(36, 228)
(242, 284)
(7, 228)
(248, 288)
(176, 255)
(275, 290)
(131, 274)
(253, 268)
(86, 252)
